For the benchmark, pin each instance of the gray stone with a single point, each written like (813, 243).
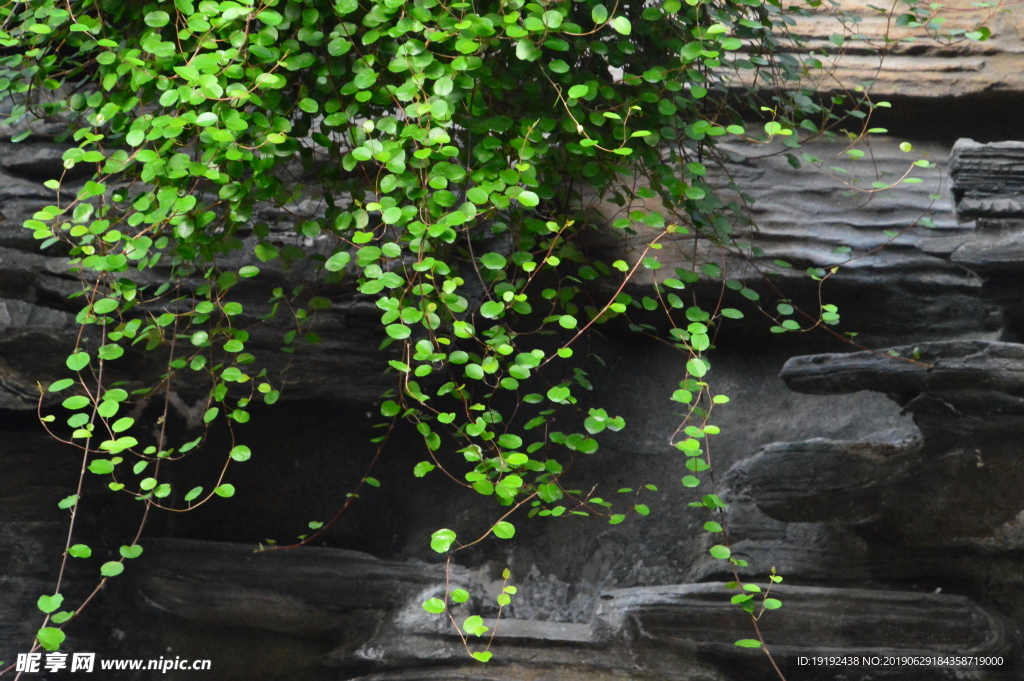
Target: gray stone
(824, 480)
(813, 621)
(808, 218)
(988, 179)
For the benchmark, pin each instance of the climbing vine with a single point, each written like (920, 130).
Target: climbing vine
(456, 153)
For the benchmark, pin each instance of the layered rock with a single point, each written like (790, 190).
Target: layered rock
(964, 480)
(813, 622)
(920, 67)
(988, 180)
(887, 263)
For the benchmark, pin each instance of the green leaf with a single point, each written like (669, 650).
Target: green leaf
(460, 595)
(133, 551)
(492, 309)
(225, 490)
(49, 603)
(111, 568)
(110, 352)
(61, 617)
(772, 604)
(240, 453)
(504, 530)
(528, 199)
(720, 551)
(104, 305)
(50, 638)
(62, 384)
(442, 540)
(578, 91)
(157, 19)
(622, 25)
(559, 394)
(493, 261)
(748, 643)
(122, 424)
(76, 402)
(482, 655)
(527, 51)
(78, 361)
(398, 331)
(474, 624)
(599, 14)
(270, 17)
(79, 551)
(434, 605)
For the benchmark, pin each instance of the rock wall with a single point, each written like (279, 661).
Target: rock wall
(884, 485)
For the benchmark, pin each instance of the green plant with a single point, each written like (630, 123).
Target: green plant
(457, 149)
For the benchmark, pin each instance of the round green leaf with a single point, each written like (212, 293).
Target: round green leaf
(577, 91)
(398, 331)
(240, 453)
(79, 551)
(337, 262)
(133, 551)
(76, 402)
(122, 424)
(442, 540)
(504, 530)
(434, 605)
(78, 361)
(50, 638)
(528, 199)
(719, 551)
(49, 603)
(101, 466)
(225, 490)
(493, 261)
(111, 568)
(696, 367)
(157, 19)
(104, 305)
